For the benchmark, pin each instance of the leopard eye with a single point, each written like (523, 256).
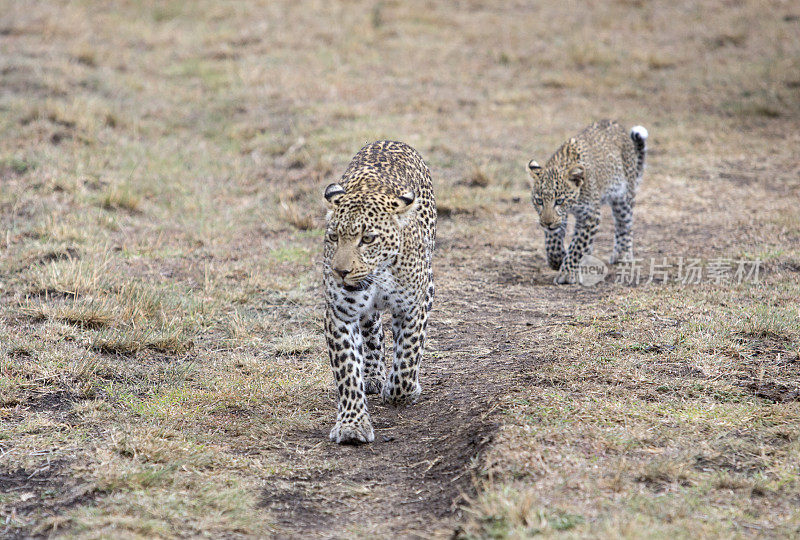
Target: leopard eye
(538, 200)
(559, 201)
(368, 239)
(333, 237)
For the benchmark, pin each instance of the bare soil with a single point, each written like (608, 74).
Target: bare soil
(46, 492)
(412, 480)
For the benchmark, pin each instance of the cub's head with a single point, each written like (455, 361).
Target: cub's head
(556, 186)
(364, 230)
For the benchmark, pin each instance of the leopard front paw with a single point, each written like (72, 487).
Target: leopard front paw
(397, 396)
(374, 385)
(566, 277)
(353, 432)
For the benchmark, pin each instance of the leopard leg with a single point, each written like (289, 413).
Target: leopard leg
(372, 336)
(554, 245)
(622, 210)
(346, 352)
(586, 226)
(409, 329)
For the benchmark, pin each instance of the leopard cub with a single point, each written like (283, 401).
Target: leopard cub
(601, 165)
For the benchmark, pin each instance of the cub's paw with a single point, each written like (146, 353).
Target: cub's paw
(374, 385)
(353, 432)
(566, 278)
(396, 396)
(620, 258)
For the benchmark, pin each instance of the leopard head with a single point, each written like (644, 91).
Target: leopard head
(556, 186)
(364, 231)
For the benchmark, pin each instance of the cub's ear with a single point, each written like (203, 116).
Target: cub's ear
(333, 193)
(533, 170)
(576, 176)
(405, 202)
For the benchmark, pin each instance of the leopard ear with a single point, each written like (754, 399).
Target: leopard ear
(533, 170)
(333, 193)
(576, 176)
(405, 202)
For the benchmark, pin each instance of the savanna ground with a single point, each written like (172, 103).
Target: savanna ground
(162, 366)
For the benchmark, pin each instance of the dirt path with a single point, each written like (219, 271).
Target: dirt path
(411, 480)
(415, 471)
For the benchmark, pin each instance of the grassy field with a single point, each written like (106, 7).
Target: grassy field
(162, 365)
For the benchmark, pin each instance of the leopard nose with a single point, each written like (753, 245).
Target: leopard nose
(342, 273)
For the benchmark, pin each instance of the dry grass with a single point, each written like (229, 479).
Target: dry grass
(294, 215)
(121, 197)
(670, 412)
(86, 313)
(478, 178)
(162, 365)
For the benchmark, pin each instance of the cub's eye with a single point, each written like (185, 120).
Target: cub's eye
(333, 237)
(538, 200)
(368, 239)
(560, 201)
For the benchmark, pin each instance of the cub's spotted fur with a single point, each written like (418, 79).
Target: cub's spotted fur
(602, 164)
(378, 248)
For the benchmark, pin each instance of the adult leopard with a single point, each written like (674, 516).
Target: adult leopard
(381, 229)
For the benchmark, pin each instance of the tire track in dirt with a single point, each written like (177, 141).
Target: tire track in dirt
(411, 480)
